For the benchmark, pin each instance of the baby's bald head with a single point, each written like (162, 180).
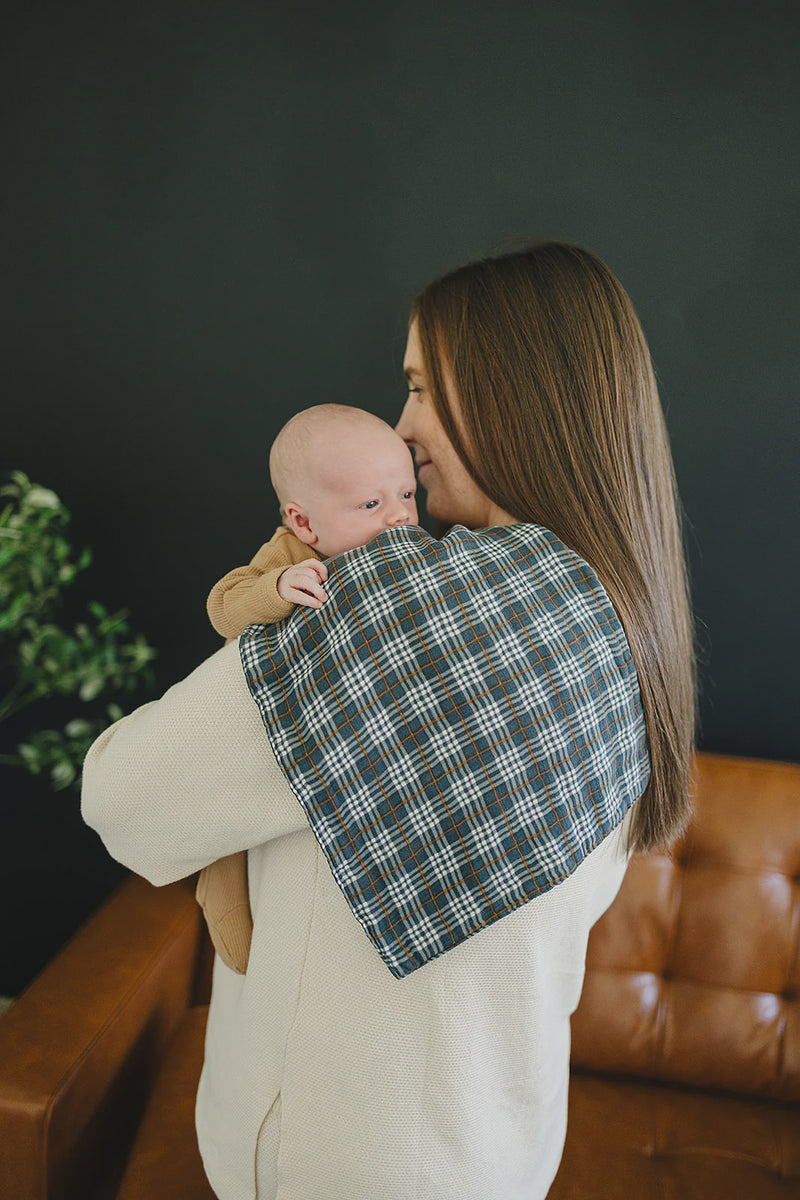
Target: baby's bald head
(316, 445)
(342, 476)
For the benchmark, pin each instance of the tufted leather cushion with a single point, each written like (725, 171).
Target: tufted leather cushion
(637, 1141)
(693, 974)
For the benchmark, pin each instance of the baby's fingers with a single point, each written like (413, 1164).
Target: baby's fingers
(304, 578)
(308, 589)
(298, 586)
(296, 596)
(315, 565)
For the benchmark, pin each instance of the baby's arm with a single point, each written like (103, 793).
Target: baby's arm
(265, 591)
(250, 595)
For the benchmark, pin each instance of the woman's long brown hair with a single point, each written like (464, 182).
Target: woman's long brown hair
(562, 426)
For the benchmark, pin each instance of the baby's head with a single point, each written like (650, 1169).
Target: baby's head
(342, 476)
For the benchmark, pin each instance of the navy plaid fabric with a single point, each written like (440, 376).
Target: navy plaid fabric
(461, 722)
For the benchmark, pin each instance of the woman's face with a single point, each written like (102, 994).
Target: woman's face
(453, 496)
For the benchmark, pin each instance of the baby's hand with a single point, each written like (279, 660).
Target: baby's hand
(302, 583)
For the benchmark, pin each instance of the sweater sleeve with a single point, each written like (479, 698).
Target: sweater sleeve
(249, 595)
(189, 778)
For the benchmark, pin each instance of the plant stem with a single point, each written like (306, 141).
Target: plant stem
(14, 700)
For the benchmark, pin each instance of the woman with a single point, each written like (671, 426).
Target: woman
(531, 404)
(558, 421)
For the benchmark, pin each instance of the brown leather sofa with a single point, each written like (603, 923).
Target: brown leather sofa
(686, 1044)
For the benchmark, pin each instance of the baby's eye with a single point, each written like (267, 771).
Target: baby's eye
(370, 504)
(407, 495)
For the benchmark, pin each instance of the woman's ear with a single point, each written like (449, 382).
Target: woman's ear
(297, 519)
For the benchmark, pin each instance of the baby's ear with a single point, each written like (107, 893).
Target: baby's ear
(297, 519)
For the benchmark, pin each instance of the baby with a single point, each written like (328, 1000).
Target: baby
(342, 476)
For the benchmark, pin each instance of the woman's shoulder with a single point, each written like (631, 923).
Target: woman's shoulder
(410, 550)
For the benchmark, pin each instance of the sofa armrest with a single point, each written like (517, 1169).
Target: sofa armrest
(80, 1048)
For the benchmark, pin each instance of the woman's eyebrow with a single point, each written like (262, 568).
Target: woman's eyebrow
(409, 371)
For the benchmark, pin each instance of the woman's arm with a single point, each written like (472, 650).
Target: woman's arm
(189, 778)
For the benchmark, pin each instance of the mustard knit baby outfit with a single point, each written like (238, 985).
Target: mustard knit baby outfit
(245, 596)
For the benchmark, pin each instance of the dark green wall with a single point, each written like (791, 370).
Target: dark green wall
(216, 213)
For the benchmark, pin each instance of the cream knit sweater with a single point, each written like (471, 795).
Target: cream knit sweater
(325, 1078)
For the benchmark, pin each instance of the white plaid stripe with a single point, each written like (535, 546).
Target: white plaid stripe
(461, 723)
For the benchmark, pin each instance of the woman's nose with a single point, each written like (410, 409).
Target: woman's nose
(405, 426)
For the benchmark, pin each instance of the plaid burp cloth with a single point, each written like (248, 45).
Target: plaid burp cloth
(461, 722)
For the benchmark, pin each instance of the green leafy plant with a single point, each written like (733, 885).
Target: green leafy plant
(39, 659)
